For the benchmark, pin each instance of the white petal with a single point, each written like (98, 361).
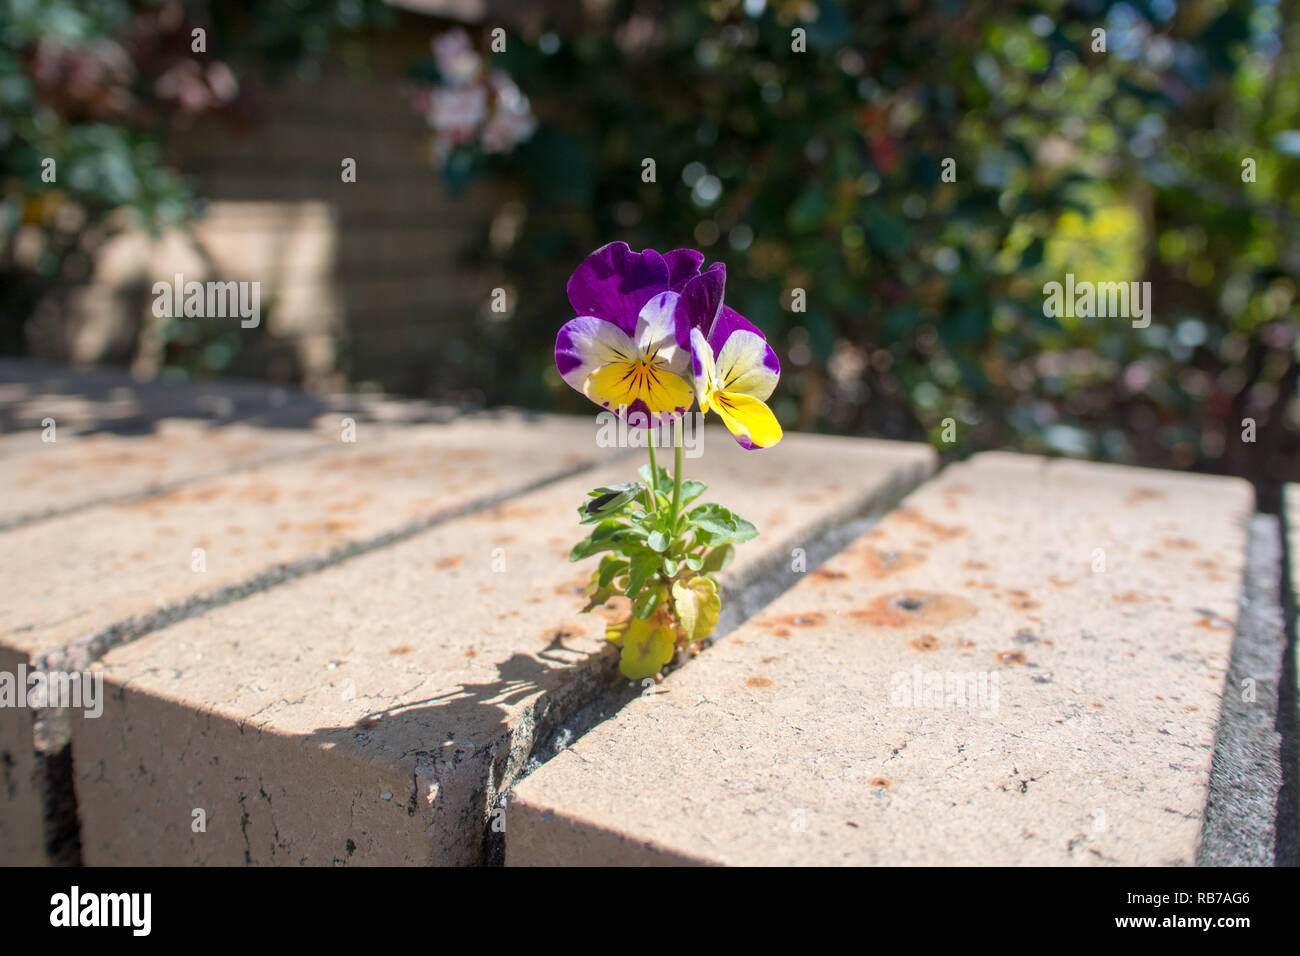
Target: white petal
(742, 366)
(656, 334)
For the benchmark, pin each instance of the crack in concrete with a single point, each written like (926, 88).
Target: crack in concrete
(1242, 822)
(742, 598)
(52, 731)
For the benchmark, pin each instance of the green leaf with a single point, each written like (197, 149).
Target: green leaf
(608, 528)
(670, 567)
(596, 596)
(695, 561)
(610, 568)
(692, 489)
(722, 525)
(609, 535)
(664, 482)
(643, 565)
(586, 548)
(646, 603)
(658, 541)
(719, 558)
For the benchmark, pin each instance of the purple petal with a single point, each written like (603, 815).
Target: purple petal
(638, 415)
(584, 344)
(567, 357)
(700, 300)
(613, 283)
(683, 264)
(728, 321)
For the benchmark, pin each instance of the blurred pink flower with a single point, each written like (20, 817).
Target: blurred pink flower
(471, 104)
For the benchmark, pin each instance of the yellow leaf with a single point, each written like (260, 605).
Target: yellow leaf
(697, 604)
(616, 632)
(645, 649)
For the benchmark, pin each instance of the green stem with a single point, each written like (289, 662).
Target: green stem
(654, 475)
(677, 475)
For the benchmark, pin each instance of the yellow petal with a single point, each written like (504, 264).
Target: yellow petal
(747, 418)
(625, 384)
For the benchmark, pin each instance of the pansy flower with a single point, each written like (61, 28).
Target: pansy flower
(628, 349)
(735, 371)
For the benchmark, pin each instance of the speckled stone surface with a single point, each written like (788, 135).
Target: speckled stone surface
(368, 714)
(111, 438)
(1023, 664)
(84, 581)
(71, 577)
(46, 478)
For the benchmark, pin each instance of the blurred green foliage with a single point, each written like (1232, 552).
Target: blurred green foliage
(819, 169)
(822, 171)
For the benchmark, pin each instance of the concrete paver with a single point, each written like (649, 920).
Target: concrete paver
(1022, 664)
(85, 581)
(370, 713)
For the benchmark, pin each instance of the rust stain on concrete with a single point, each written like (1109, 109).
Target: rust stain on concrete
(915, 608)
(881, 564)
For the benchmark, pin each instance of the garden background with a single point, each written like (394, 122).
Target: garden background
(802, 143)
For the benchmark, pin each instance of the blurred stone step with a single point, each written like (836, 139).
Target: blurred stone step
(78, 469)
(86, 581)
(1022, 664)
(45, 478)
(110, 402)
(106, 399)
(371, 713)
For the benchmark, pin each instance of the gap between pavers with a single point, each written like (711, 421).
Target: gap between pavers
(1241, 825)
(960, 686)
(373, 712)
(741, 601)
(87, 581)
(1288, 723)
